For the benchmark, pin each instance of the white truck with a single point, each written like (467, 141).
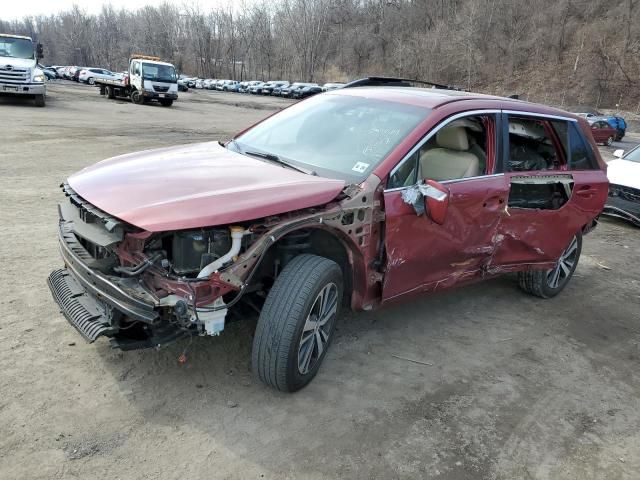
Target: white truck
(147, 79)
(19, 72)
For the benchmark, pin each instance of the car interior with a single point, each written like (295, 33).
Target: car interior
(458, 150)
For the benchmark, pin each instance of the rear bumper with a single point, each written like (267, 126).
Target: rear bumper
(11, 88)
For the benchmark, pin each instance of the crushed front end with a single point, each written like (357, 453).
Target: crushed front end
(138, 288)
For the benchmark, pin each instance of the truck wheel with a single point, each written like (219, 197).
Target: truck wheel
(166, 102)
(297, 322)
(137, 98)
(40, 100)
(91, 81)
(111, 94)
(549, 283)
(102, 90)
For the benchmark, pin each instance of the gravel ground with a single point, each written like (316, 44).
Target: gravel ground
(518, 387)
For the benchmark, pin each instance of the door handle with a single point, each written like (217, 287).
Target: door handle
(586, 191)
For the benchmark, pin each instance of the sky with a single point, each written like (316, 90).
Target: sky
(12, 9)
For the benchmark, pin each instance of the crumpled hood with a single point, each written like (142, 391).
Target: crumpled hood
(197, 185)
(624, 172)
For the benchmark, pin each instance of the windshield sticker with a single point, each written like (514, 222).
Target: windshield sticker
(360, 167)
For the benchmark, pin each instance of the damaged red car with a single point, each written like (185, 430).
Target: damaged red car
(357, 197)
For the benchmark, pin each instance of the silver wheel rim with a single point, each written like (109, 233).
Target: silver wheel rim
(561, 272)
(317, 328)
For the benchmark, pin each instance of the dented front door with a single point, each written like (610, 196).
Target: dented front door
(423, 256)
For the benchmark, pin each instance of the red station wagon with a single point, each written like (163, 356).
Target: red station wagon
(360, 197)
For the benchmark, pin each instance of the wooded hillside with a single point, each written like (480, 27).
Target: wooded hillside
(566, 52)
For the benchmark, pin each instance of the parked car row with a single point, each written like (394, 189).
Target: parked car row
(278, 88)
(80, 74)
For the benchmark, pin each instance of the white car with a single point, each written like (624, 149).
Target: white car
(624, 186)
(331, 86)
(89, 75)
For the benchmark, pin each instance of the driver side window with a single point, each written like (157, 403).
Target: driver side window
(136, 68)
(459, 149)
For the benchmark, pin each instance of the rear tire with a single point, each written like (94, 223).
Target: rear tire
(111, 94)
(166, 102)
(297, 322)
(549, 283)
(40, 100)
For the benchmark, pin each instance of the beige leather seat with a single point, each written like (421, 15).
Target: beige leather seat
(451, 158)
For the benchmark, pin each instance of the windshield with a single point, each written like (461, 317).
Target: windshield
(16, 48)
(633, 155)
(159, 73)
(337, 136)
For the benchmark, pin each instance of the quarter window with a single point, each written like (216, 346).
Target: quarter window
(581, 155)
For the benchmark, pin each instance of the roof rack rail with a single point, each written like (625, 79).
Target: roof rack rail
(396, 82)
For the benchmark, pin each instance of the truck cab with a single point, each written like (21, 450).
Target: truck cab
(19, 72)
(151, 79)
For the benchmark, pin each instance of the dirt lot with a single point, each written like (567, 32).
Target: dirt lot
(519, 388)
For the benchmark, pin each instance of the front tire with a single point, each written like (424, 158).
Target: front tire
(297, 322)
(91, 81)
(549, 283)
(137, 98)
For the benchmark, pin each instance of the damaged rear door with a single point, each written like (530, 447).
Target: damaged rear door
(555, 189)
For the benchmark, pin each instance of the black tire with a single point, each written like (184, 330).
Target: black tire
(91, 81)
(166, 102)
(541, 282)
(111, 94)
(285, 317)
(41, 100)
(137, 98)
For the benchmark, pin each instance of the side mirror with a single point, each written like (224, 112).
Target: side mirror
(430, 197)
(436, 197)
(39, 51)
(618, 153)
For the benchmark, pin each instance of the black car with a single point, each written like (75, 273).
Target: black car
(307, 91)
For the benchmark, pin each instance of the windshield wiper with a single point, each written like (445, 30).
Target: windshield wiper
(274, 158)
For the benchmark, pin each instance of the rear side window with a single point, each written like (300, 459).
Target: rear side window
(579, 153)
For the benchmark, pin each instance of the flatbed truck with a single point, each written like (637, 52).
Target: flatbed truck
(147, 79)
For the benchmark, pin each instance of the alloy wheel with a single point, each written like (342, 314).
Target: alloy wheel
(558, 275)
(317, 328)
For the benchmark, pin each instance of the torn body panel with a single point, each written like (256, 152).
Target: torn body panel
(423, 255)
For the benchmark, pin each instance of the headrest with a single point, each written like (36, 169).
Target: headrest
(453, 138)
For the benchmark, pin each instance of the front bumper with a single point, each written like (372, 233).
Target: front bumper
(168, 95)
(22, 88)
(623, 202)
(91, 301)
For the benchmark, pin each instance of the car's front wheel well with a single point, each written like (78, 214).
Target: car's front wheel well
(315, 241)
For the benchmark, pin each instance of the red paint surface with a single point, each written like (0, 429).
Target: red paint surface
(195, 186)
(600, 135)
